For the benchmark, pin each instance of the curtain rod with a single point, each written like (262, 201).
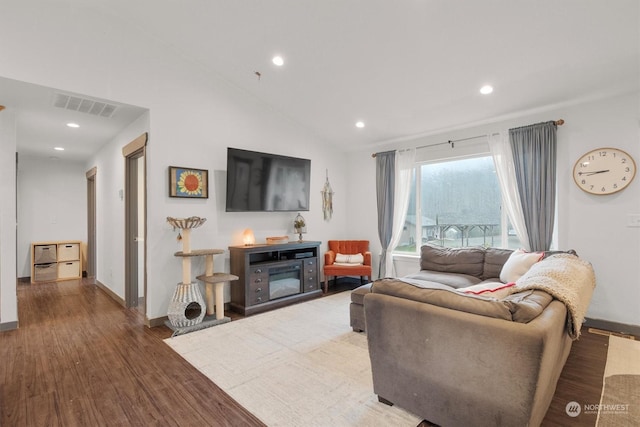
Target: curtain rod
(558, 122)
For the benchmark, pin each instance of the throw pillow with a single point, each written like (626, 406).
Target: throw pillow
(349, 259)
(519, 262)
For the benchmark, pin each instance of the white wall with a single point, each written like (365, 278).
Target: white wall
(595, 226)
(8, 296)
(110, 213)
(52, 200)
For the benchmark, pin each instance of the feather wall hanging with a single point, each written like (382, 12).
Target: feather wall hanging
(327, 199)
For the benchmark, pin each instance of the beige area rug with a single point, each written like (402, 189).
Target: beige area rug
(298, 365)
(620, 400)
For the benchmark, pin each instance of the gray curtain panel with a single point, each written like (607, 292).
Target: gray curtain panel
(534, 156)
(385, 189)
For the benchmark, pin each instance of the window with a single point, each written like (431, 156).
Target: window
(455, 203)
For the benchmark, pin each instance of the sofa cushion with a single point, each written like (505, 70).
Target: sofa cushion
(527, 305)
(455, 280)
(438, 294)
(519, 262)
(469, 260)
(521, 307)
(494, 259)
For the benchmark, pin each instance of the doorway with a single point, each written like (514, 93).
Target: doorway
(90, 265)
(135, 223)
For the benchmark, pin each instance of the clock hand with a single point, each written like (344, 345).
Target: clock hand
(592, 173)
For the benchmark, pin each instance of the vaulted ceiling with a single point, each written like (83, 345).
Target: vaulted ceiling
(405, 68)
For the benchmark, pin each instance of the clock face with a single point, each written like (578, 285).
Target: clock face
(604, 171)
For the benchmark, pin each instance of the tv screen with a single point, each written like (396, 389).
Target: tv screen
(258, 182)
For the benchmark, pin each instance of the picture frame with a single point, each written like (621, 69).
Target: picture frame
(189, 183)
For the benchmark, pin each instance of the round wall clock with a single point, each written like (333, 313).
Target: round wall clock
(604, 171)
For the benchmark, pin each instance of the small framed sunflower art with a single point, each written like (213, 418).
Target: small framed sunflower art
(188, 182)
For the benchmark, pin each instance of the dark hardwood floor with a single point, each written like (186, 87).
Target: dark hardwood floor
(80, 359)
(580, 381)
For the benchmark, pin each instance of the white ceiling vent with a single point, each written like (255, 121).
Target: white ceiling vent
(84, 105)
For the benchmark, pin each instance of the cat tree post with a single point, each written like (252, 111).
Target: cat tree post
(214, 285)
(186, 249)
(209, 294)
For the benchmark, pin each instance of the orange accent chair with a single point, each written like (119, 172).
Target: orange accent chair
(346, 247)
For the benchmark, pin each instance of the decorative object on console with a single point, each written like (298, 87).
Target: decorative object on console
(277, 240)
(604, 171)
(187, 307)
(248, 238)
(188, 182)
(300, 226)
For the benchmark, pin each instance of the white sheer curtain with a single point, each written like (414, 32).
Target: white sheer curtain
(405, 161)
(505, 169)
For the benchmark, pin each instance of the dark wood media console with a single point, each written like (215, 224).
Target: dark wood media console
(272, 276)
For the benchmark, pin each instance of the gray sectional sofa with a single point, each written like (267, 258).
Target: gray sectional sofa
(457, 357)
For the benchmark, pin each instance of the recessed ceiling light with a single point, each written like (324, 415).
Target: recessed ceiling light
(59, 148)
(486, 89)
(360, 124)
(73, 125)
(278, 60)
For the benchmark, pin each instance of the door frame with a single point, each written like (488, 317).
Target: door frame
(90, 265)
(132, 152)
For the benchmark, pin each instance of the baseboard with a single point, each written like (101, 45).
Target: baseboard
(607, 325)
(112, 294)
(8, 326)
(157, 321)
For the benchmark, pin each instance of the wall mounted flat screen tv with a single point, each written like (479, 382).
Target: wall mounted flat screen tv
(262, 182)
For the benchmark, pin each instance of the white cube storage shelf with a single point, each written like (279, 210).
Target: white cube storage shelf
(54, 261)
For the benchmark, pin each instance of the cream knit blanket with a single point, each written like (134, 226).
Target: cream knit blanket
(568, 279)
